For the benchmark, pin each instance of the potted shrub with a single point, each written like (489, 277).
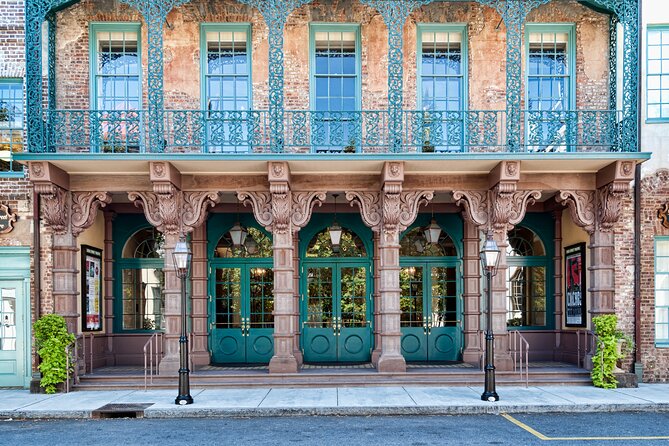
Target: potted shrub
(612, 345)
(52, 340)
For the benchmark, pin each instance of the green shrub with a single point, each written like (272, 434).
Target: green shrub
(607, 354)
(52, 338)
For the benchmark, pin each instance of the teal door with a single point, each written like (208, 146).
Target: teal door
(241, 321)
(431, 321)
(12, 331)
(336, 312)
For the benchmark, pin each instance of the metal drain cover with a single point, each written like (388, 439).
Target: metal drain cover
(121, 410)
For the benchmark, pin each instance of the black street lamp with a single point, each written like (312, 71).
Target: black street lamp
(182, 257)
(489, 259)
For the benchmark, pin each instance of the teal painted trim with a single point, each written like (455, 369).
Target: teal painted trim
(663, 342)
(12, 175)
(543, 226)
(224, 27)
(456, 156)
(124, 226)
(94, 27)
(651, 28)
(464, 49)
(218, 224)
(15, 262)
(570, 29)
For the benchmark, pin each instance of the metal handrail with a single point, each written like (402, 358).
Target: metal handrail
(589, 343)
(88, 353)
(521, 352)
(152, 355)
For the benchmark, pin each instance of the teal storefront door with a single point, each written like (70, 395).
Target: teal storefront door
(430, 290)
(431, 321)
(336, 325)
(241, 320)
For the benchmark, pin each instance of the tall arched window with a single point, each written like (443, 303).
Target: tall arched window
(527, 293)
(142, 281)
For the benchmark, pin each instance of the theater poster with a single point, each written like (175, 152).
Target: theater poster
(576, 290)
(91, 288)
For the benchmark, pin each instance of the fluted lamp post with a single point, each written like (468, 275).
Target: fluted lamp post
(489, 260)
(182, 257)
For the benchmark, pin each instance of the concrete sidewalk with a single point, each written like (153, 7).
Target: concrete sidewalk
(337, 401)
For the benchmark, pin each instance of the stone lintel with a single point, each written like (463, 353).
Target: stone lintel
(505, 171)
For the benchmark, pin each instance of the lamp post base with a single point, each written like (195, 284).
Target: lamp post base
(182, 400)
(490, 396)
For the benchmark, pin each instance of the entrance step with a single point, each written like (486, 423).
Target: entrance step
(311, 376)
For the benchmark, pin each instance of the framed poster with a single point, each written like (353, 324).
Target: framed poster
(575, 286)
(91, 288)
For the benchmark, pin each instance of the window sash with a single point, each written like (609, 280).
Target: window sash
(662, 290)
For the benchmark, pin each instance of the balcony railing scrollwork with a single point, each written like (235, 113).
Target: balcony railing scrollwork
(333, 132)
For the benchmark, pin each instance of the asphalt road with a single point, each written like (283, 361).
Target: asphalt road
(618, 428)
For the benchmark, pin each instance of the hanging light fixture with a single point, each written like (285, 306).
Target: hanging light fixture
(238, 233)
(251, 245)
(433, 231)
(335, 230)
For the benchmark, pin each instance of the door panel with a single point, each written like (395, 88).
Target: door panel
(227, 333)
(260, 320)
(444, 320)
(319, 328)
(11, 329)
(412, 320)
(354, 337)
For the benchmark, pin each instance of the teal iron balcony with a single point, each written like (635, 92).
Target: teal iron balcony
(225, 132)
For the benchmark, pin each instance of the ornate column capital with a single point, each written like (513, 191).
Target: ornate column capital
(475, 204)
(508, 205)
(55, 207)
(302, 207)
(609, 204)
(581, 207)
(85, 206)
(370, 207)
(174, 212)
(261, 204)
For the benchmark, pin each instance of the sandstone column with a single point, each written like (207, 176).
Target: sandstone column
(200, 298)
(471, 293)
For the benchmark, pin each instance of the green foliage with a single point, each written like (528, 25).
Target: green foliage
(608, 353)
(52, 339)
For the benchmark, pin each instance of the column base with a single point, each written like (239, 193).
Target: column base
(473, 357)
(503, 362)
(200, 358)
(299, 358)
(169, 365)
(391, 364)
(283, 364)
(376, 355)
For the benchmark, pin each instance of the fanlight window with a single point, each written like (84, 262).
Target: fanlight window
(350, 246)
(413, 244)
(256, 245)
(524, 242)
(146, 243)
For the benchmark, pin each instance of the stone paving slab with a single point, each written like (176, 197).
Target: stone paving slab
(444, 396)
(374, 397)
(300, 397)
(655, 393)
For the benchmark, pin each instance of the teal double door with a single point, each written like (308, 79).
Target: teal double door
(431, 319)
(241, 303)
(336, 311)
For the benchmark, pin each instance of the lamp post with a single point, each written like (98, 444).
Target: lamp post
(489, 259)
(182, 257)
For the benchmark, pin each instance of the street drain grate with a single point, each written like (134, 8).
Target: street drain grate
(128, 410)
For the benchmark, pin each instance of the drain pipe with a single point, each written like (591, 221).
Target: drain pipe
(638, 365)
(37, 284)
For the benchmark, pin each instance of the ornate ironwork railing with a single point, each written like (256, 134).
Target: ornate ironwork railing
(307, 131)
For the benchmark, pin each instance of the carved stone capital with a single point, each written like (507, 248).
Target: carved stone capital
(370, 207)
(475, 204)
(508, 206)
(581, 207)
(410, 201)
(85, 206)
(161, 210)
(195, 205)
(281, 205)
(303, 205)
(609, 204)
(55, 207)
(261, 203)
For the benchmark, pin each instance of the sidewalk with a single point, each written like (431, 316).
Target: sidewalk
(352, 401)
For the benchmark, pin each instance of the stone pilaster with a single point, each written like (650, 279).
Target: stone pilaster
(472, 293)
(378, 327)
(296, 304)
(557, 269)
(108, 290)
(199, 350)
(389, 213)
(283, 212)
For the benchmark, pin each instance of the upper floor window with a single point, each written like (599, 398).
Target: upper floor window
(442, 70)
(550, 85)
(116, 66)
(662, 291)
(11, 124)
(227, 86)
(335, 83)
(657, 80)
